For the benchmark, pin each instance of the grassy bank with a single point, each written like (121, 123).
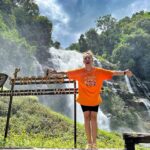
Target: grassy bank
(34, 125)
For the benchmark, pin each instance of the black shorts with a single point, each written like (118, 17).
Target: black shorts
(89, 108)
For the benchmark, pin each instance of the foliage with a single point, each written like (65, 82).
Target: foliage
(133, 49)
(21, 20)
(36, 29)
(6, 6)
(57, 45)
(29, 6)
(121, 116)
(82, 43)
(106, 23)
(73, 46)
(105, 63)
(124, 42)
(92, 40)
(134, 53)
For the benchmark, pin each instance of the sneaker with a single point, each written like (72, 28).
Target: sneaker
(88, 146)
(94, 146)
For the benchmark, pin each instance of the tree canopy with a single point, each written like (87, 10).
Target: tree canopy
(125, 42)
(22, 16)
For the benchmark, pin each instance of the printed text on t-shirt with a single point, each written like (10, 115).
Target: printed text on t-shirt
(90, 81)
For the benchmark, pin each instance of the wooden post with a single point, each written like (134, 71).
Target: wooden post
(135, 138)
(75, 117)
(10, 104)
(129, 145)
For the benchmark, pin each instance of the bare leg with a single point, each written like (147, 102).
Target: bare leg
(87, 126)
(94, 126)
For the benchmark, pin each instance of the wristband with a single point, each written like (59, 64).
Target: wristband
(124, 72)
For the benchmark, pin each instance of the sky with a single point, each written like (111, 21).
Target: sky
(71, 18)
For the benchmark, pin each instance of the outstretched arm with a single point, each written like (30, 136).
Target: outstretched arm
(121, 73)
(54, 73)
(64, 74)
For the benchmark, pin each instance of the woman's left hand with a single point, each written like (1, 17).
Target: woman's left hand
(128, 73)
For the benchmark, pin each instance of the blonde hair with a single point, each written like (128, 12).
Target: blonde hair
(89, 53)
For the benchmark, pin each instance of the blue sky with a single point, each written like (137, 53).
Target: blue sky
(72, 17)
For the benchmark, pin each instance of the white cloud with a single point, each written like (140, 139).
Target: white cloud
(132, 8)
(60, 19)
(67, 24)
(53, 11)
(139, 5)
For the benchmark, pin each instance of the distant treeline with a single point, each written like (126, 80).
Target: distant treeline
(125, 42)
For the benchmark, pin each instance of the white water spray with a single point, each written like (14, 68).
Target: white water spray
(128, 84)
(64, 60)
(145, 101)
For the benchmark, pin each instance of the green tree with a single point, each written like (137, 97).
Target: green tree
(73, 46)
(57, 45)
(6, 6)
(92, 40)
(21, 18)
(144, 24)
(29, 6)
(82, 43)
(36, 29)
(134, 53)
(109, 36)
(105, 23)
(124, 42)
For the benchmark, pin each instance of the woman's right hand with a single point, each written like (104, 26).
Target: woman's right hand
(55, 74)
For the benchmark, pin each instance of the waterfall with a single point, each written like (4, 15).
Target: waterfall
(64, 60)
(146, 102)
(29, 66)
(128, 84)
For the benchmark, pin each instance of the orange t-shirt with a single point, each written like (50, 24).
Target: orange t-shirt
(90, 84)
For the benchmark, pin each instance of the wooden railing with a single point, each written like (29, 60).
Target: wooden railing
(49, 78)
(135, 138)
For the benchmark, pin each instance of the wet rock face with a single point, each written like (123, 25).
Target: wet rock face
(138, 104)
(130, 112)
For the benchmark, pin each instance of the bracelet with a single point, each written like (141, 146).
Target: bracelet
(124, 72)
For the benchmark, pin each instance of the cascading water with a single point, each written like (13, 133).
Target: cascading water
(63, 60)
(128, 84)
(145, 101)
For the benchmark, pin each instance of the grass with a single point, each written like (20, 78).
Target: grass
(35, 125)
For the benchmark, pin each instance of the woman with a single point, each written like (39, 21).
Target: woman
(90, 80)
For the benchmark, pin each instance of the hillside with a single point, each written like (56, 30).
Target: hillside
(34, 125)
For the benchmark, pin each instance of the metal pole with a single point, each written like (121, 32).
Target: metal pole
(75, 118)
(10, 105)
(9, 112)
